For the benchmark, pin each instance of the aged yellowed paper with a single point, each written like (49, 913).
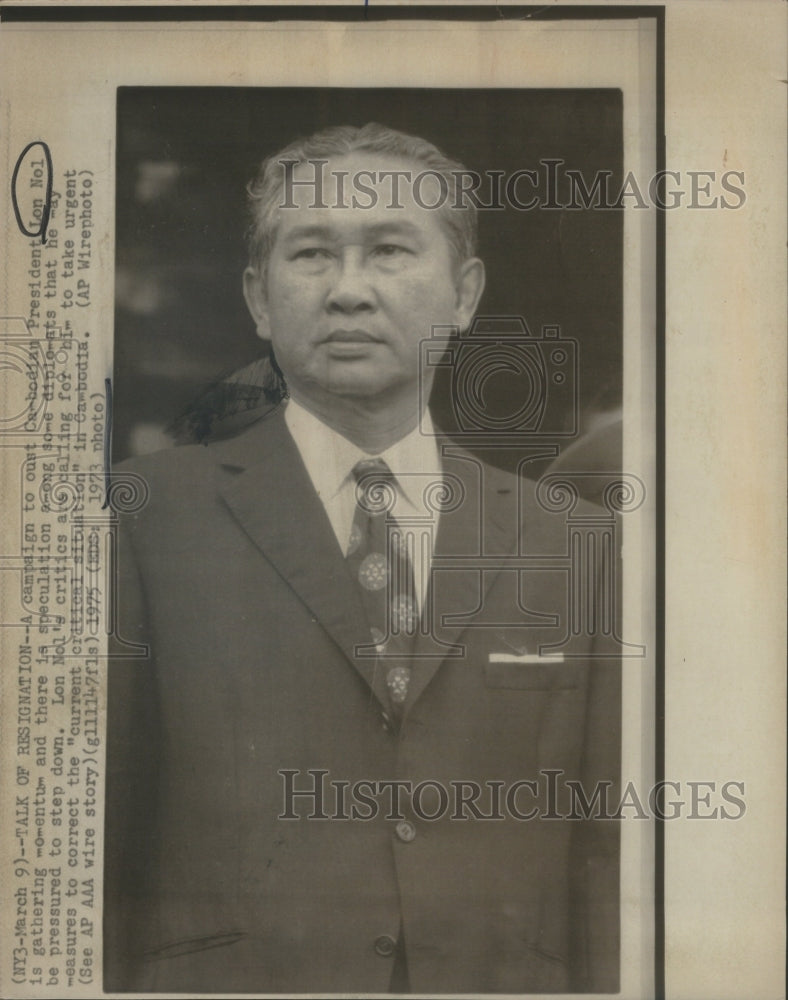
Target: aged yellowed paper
(646, 378)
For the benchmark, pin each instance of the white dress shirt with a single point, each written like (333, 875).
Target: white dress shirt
(330, 458)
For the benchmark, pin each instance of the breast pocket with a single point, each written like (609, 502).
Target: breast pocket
(530, 673)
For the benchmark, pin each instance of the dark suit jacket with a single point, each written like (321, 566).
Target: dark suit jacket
(232, 574)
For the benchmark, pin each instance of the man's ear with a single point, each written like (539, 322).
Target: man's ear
(470, 285)
(256, 302)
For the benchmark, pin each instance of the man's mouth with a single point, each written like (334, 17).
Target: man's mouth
(351, 337)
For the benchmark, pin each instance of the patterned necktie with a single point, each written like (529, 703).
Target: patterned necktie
(378, 558)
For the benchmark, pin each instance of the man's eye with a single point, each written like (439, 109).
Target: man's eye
(389, 250)
(310, 253)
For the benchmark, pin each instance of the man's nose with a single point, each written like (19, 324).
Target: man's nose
(351, 290)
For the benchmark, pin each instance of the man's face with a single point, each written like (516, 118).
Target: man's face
(349, 292)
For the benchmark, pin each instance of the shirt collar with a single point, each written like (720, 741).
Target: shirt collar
(329, 457)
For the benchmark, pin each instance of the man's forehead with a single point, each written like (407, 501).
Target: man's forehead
(329, 224)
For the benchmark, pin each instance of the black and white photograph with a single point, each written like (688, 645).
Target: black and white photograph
(374, 741)
(389, 543)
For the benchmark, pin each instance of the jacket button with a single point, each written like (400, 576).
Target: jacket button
(405, 831)
(385, 946)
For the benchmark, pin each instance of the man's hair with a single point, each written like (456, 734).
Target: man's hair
(265, 191)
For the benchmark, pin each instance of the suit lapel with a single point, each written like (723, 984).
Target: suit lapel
(485, 522)
(271, 495)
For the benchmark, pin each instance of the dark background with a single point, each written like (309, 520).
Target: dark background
(185, 156)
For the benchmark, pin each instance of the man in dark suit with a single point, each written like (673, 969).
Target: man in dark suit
(344, 762)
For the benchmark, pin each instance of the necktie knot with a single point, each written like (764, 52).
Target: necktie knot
(369, 466)
(376, 490)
